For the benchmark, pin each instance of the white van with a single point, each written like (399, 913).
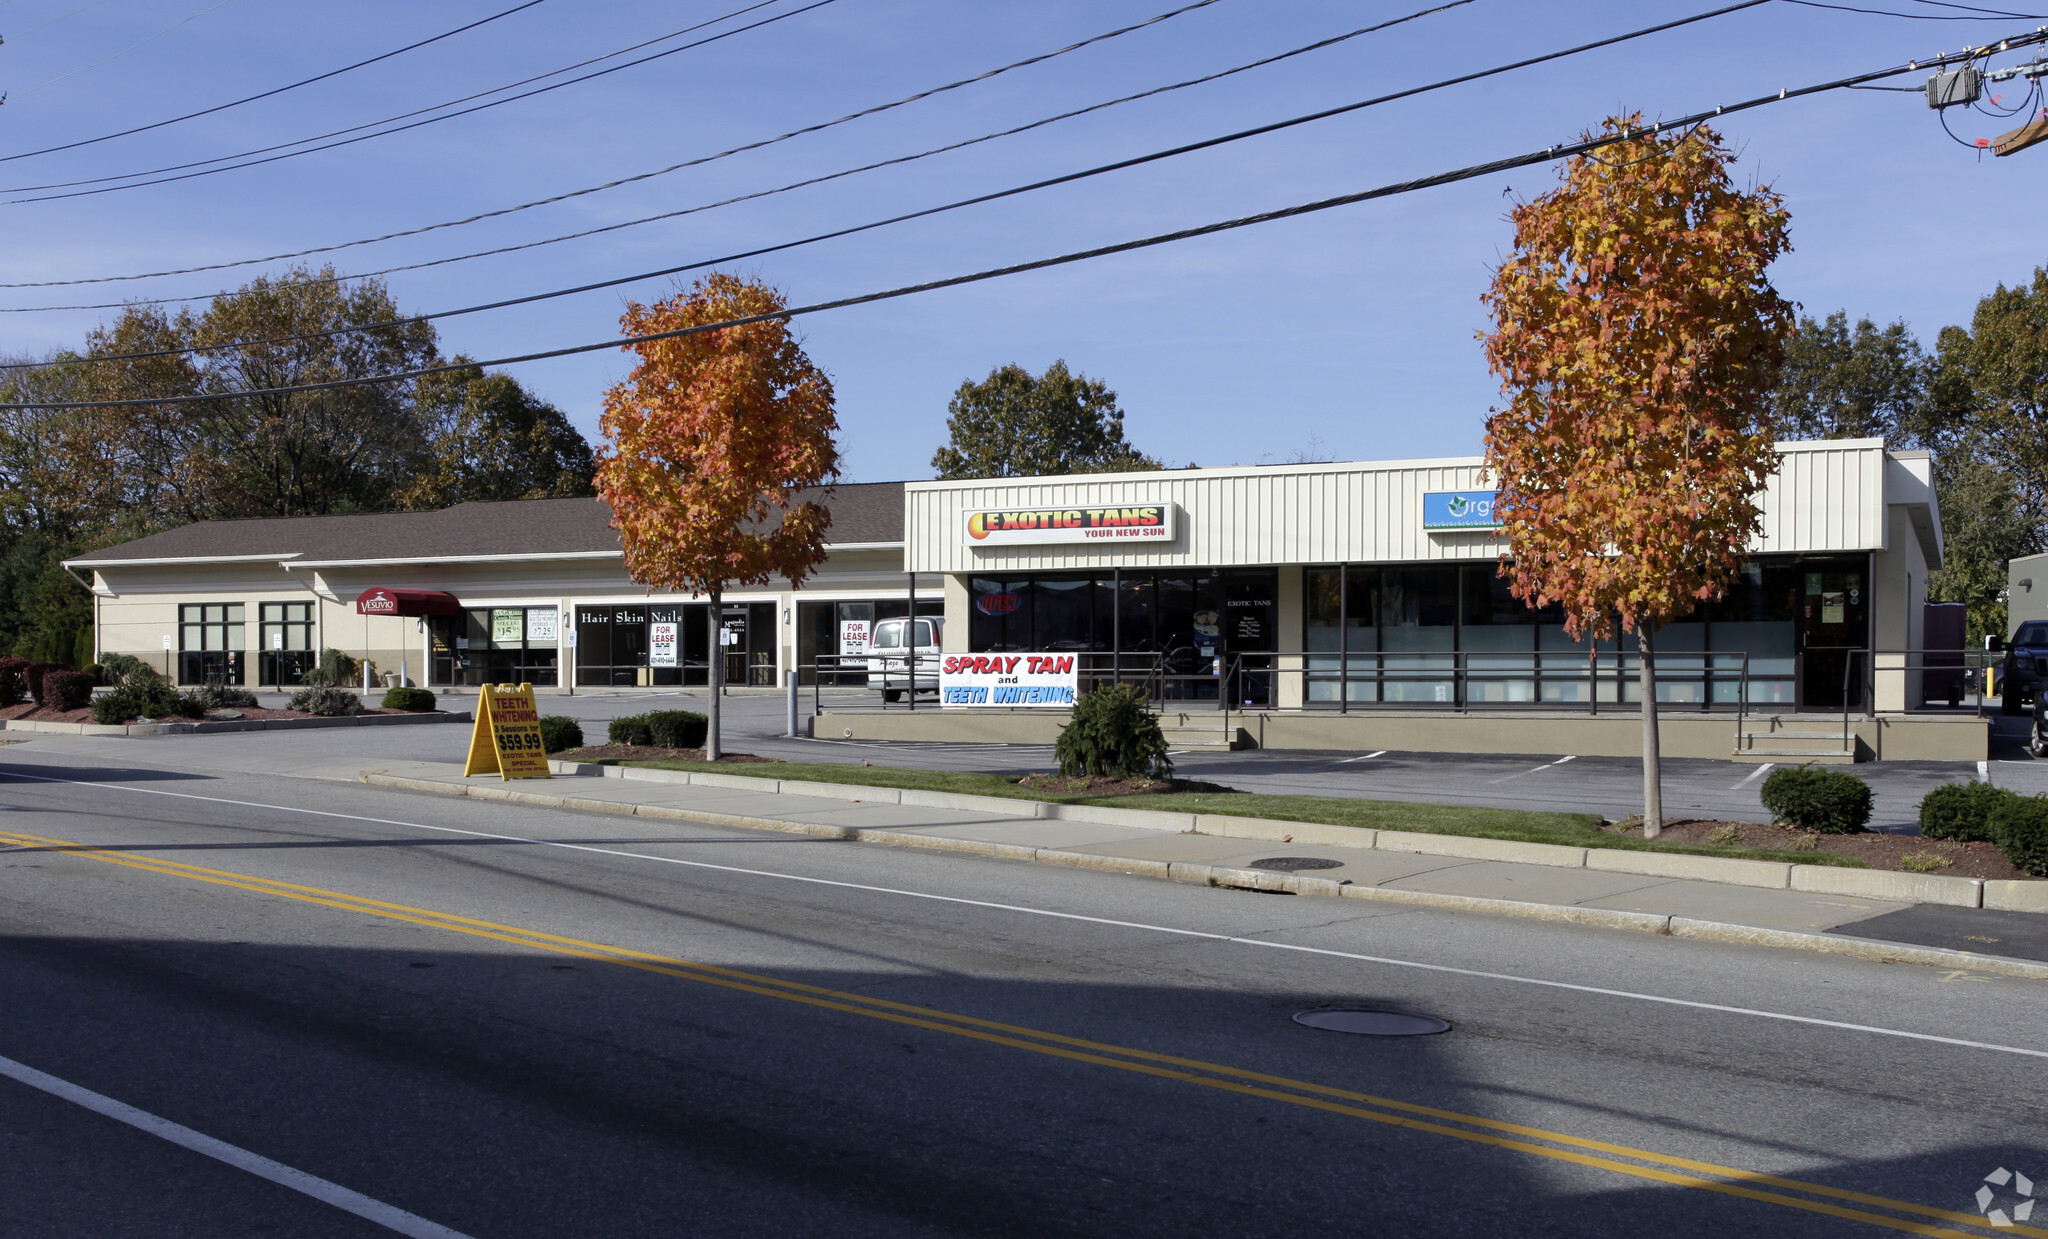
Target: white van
(888, 663)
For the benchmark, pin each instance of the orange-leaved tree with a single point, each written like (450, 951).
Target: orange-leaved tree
(710, 444)
(1636, 334)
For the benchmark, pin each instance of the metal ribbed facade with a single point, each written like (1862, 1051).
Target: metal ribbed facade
(1825, 497)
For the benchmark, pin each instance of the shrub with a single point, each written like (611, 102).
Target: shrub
(34, 674)
(560, 733)
(218, 694)
(142, 694)
(13, 688)
(189, 705)
(336, 670)
(632, 729)
(1113, 733)
(327, 701)
(118, 667)
(67, 690)
(676, 729)
(2019, 827)
(1833, 802)
(1961, 811)
(414, 699)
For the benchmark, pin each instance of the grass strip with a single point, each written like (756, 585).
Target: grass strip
(1520, 825)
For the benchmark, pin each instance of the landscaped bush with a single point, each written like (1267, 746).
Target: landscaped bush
(631, 729)
(1832, 802)
(1961, 811)
(116, 668)
(2019, 826)
(13, 688)
(34, 674)
(218, 694)
(327, 700)
(676, 729)
(414, 699)
(336, 669)
(1114, 733)
(142, 694)
(67, 690)
(560, 733)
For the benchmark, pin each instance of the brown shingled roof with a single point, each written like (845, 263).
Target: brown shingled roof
(861, 512)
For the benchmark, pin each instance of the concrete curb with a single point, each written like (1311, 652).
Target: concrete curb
(1880, 884)
(1262, 880)
(207, 727)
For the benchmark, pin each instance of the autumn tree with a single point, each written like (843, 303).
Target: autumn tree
(1014, 424)
(709, 446)
(488, 438)
(1636, 336)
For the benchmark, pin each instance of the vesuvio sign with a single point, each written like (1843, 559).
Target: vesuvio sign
(1007, 680)
(1035, 526)
(1459, 509)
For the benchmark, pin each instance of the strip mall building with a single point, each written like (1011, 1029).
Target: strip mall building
(1346, 605)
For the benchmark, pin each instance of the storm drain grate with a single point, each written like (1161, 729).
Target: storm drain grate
(1366, 1023)
(1294, 864)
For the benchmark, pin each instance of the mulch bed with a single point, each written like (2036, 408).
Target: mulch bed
(43, 714)
(645, 752)
(1966, 860)
(1104, 785)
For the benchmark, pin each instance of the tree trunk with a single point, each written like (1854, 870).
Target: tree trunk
(716, 678)
(1653, 765)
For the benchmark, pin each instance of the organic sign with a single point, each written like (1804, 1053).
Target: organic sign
(661, 644)
(1459, 509)
(506, 738)
(1009, 680)
(1028, 526)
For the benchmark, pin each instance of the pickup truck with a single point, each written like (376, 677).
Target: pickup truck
(2025, 668)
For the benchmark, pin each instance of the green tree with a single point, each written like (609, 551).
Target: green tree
(1982, 528)
(1838, 383)
(1013, 425)
(488, 437)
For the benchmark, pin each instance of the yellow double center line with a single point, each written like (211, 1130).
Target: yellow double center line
(1558, 1146)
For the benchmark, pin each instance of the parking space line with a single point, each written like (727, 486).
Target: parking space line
(389, 1217)
(1753, 776)
(1368, 757)
(1545, 766)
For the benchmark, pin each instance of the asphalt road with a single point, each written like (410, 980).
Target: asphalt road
(511, 1022)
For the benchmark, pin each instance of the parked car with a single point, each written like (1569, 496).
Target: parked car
(2025, 667)
(889, 662)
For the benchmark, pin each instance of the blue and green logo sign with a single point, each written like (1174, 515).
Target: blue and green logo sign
(1458, 509)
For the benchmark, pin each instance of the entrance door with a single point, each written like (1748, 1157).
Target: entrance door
(1250, 622)
(1834, 609)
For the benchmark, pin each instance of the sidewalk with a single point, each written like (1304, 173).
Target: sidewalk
(1436, 871)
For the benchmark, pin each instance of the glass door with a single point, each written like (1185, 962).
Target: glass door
(1834, 624)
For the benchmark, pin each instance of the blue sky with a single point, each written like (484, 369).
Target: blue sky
(1352, 329)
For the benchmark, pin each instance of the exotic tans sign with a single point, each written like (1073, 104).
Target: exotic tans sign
(1036, 526)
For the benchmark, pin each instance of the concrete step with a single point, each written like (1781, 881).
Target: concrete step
(1819, 757)
(1207, 737)
(1836, 735)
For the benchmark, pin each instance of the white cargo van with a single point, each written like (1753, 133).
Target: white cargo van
(889, 662)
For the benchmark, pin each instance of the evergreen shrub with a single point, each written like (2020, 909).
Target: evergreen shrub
(2019, 827)
(631, 729)
(142, 694)
(676, 729)
(34, 674)
(327, 700)
(335, 670)
(414, 699)
(1831, 802)
(1113, 733)
(218, 694)
(559, 733)
(116, 668)
(1961, 811)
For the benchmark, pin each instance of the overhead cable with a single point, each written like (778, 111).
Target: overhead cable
(996, 195)
(1546, 155)
(106, 137)
(816, 180)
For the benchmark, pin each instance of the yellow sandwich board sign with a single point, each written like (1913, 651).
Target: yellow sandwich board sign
(506, 739)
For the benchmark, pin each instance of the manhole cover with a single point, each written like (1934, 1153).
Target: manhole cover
(1294, 864)
(1374, 1023)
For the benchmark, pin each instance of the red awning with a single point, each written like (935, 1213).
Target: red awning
(406, 602)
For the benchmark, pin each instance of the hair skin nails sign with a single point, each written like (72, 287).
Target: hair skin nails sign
(1152, 522)
(1459, 509)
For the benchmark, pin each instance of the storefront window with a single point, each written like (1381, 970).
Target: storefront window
(496, 645)
(835, 636)
(210, 642)
(285, 643)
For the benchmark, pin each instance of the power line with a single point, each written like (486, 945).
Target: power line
(688, 163)
(1987, 14)
(995, 195)
(1547, 155)
(186, 21)
(268, 93)
(333, 133)
(538, 90)
(816, 180)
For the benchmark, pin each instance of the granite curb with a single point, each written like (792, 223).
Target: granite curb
(1259, 880)
(2002, 896)
(209, 726)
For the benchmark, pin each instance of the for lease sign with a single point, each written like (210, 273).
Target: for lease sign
(1007, 680)
(1151, 522)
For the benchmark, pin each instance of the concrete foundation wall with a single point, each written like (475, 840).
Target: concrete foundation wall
(1897, 738)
